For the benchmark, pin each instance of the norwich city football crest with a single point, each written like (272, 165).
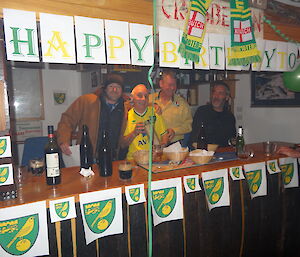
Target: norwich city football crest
(287, 172)
(17, 236)
(191, 182)
(164, 201)
(214, 189)
(236, 172)
(59, 98)
(99, 215)
(3, 146)
(62, 209)
(135, 194)
(254, 179)
(272, 166)
(4, 171)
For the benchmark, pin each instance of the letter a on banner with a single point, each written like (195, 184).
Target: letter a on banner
(57, 38)
(117, 42)
(20, 35)
(90, 44)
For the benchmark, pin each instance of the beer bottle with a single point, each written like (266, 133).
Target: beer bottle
(105, 156)
(86, 151)
(240, 142)
(53, 176)
(202, 142)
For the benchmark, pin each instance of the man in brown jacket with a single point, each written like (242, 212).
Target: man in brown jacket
(99, 111)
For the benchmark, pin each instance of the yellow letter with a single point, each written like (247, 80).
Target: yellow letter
(282, 54)
(202, 52)
(61, 45)
(112, 45)
(172, 51)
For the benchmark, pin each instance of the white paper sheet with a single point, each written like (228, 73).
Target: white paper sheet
(14, 220)
(73, 159)
(62, 209)
(216, 188)
(135, 194)
(256, 178)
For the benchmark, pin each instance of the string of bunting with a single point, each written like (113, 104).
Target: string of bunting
(278, 31)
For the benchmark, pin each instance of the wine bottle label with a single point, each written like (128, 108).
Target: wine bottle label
(52, 162)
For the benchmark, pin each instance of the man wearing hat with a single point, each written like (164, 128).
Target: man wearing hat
(102, 110)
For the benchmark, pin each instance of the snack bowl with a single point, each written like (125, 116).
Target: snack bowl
(141, 157)
(200, 157)
(177, 157)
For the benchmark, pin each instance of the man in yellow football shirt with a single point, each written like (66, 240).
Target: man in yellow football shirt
(135, 135)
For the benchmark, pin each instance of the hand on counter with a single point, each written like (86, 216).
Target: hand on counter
(289, 151)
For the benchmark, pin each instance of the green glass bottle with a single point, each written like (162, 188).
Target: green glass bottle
(240, 142)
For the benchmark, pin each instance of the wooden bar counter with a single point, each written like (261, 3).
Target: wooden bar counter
(264, 226)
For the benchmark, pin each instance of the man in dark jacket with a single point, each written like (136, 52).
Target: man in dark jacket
(104, 110)
(219, 122)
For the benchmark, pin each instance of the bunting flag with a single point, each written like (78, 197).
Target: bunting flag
(6, 174)
(191, 183)
(62, 209)
(101, 213)
(167, 201)
(272, 167)
(236, 173)
(5, 147)
(194, 31)
(243, 45)
(216, 187)
(289, 172)
(256, 177)
(135, 194)
(24, 230)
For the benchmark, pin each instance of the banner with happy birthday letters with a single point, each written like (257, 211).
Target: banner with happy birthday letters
(124, 43)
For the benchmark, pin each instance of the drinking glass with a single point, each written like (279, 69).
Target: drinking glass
(125, 170)
(245, 154)
(269, 148)
(157, 153)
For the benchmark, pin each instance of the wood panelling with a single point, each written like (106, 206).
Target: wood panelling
(138, 11)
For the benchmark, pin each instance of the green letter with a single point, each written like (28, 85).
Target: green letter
(88, 43)
(16, 41)
(217, 56)
(134, 40)
(269, 59)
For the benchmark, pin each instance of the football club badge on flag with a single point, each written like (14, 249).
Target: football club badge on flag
(23, 230)
(256, 178)
(62, 209)
(164, 201)
(191, 183)
(5, 147)
(236, 173)
(289, 172)
(167, 203)
(272, 167)
(59, 97)
(135, 194)
(216, 188)
(17, 236)
(101, 213)
(6, 174)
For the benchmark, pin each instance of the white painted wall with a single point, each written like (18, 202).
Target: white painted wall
(68, 81)
(261, 123)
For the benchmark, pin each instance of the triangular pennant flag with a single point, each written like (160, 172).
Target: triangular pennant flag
(289, 169)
